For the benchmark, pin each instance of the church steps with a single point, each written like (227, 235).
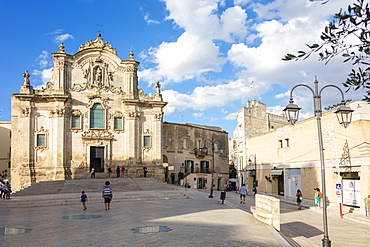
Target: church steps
(73, 199)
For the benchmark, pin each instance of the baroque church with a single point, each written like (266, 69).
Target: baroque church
(92, 115)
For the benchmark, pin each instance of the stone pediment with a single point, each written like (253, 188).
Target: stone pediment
(97, 43)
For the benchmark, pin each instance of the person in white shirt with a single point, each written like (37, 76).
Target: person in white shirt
(243, 193)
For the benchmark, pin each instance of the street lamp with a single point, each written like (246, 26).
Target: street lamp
(255, 183)
(344, 115)
(205, 150)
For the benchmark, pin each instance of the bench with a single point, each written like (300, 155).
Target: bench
(267, 210)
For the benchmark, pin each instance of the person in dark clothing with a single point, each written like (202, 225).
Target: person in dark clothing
(118, 171)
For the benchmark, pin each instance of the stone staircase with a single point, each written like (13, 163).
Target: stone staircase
(68, 192)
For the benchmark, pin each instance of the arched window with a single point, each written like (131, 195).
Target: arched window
(97, 117)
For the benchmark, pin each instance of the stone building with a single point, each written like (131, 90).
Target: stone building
(188, 153)
(5, 149)
(288, 158)
(92, 115)
(253, 120)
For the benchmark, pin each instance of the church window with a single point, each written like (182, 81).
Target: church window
(41, 140)
(146, 141)
(118, 123)
(97, 117)
(76, 122)
(163, 141)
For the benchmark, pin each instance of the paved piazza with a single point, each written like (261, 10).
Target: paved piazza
(195, 221)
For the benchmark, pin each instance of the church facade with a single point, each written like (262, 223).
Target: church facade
(92, 115)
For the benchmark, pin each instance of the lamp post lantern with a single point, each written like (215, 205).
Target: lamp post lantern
(255, 184)
(205, 150)
(344, 115)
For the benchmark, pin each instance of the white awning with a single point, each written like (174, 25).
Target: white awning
(276, 172)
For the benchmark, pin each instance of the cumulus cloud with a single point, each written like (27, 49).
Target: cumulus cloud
(46, 76)
(63, 37)
(43, 59)
(223, 41)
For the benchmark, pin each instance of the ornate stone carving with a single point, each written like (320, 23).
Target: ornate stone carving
(97, 134)
(133, 115)
(57, 112)
(97, 43)
(26, 112)
(158, 116)
(98, 99)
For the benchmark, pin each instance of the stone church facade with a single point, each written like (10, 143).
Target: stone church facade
(92, 115)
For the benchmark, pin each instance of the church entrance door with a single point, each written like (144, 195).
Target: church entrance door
(97, 158)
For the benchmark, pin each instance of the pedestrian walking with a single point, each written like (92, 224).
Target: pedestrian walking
(107, 194)
(117, 171)
(299, 199)
(92, 172)
(243, 191)
(84, 199)
(123, 171)
(109, 171)
(145, 171)
(318, 197)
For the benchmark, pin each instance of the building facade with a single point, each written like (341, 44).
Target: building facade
(253, 120)
(92, 115)
(190, 151)
(5, 134)
(288, 158)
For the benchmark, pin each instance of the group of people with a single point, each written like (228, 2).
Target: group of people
(5, 189)
(119, 171)
(107, 195)
(318, 198)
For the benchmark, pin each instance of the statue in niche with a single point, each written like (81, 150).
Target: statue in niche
(98, 76)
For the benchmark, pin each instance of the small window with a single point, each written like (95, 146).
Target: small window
(185, 144)
(146, 141)
(41, 140)
(163, 141)
(286, 142)
(76, 122)
(118, 123)
(215, 147)
(280, 143)
(199, 144)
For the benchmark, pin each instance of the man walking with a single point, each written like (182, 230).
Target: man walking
(243, 193)
(107, 195)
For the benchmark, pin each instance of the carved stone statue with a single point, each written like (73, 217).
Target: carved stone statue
(98, 75)
(26, 77)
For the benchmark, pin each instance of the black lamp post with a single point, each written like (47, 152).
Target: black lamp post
(344, 115)
(255, 184)
(205, 150)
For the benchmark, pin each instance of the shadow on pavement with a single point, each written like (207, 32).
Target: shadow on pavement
(298, 228)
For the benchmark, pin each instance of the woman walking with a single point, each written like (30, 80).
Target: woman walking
(299, 198)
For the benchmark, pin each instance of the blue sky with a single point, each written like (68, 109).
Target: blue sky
(209, 55)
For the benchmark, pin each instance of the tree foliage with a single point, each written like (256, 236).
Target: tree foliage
(347, 35)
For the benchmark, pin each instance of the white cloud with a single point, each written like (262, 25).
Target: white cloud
(148, 20)
(43, 59)
(46, 75)
(198, 114)
(232, 116)
(254, 50)
(63, 37)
